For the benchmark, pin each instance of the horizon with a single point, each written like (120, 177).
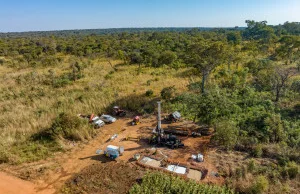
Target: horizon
(191, 27)
(32, 16)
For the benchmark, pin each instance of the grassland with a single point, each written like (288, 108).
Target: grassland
(30, 102)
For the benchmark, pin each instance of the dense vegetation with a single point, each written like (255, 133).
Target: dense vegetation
(157, 182)
(243, 82)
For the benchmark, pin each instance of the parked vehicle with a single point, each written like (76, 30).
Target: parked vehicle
(174, 117)
(135, 120)
(117, 111)
(94, 120)
(108, 118)
(97, 122)
(113, 151)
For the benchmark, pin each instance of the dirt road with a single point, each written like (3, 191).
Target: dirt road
(13, 185)
(64, 165)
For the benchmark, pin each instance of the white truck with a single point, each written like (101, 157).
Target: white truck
(97, 122)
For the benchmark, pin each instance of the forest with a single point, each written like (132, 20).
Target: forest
(243, 82)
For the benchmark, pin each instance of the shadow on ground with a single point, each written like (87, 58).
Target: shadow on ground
(99, 157)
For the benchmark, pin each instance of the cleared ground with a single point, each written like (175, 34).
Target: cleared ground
(50, 175)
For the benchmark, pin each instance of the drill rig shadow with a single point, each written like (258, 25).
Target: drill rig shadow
(159, 138)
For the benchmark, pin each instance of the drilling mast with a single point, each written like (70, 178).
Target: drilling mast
(158, 130)
(158, 117)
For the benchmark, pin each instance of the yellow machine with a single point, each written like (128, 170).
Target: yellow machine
(129, 138)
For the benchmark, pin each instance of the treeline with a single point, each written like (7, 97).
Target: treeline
(154, 48)
(292, 28)
(84, 32)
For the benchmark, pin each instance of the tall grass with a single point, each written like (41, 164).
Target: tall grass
(29, 104)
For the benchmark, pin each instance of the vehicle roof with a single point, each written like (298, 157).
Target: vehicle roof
(176, 114)
(106, 116)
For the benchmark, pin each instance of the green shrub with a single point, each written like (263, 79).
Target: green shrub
(296, 86)
(168, 93)
(282, 160)
(257, 151)
(260, 185)
(149, 82)
(226, 134)
(251, 166)
(4, 156)
(109, 75)
(292, 170)
(149, 93)
(68, 126)
(157, 182)
(61, 82)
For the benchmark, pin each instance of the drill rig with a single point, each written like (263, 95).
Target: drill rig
(161, 139)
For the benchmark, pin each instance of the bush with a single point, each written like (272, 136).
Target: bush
(109, 75)
(296, 86)
(149, 93)
(292, 170)
(257, 151)
(69, 127)
(226, 134)
(168, 93)
(4, 158)
(61, 81)
(158, 182)
(251, 166)
(260, 185)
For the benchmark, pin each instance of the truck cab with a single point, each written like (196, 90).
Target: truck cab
(97, 122)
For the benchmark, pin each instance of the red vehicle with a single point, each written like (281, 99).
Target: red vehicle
(136, 120)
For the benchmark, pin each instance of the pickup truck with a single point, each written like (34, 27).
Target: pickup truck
(94, 120)
(97, 122)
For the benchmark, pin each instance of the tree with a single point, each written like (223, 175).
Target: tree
(280, 79)
(289, 49)
(137, 58)
(296, 86)
(292, 27)
(123, 56)
(233, 56)
(234, 37)
(275, 128)
(205, 56)
(226, 134)
(208, 107)
(168, 93)
(258, 31)
(167, 57)
(76, 71)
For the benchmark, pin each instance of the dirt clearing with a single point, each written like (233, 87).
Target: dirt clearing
(111, 177)
(49, 176)
(19, 186)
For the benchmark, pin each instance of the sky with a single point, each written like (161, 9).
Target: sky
(43, 15)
